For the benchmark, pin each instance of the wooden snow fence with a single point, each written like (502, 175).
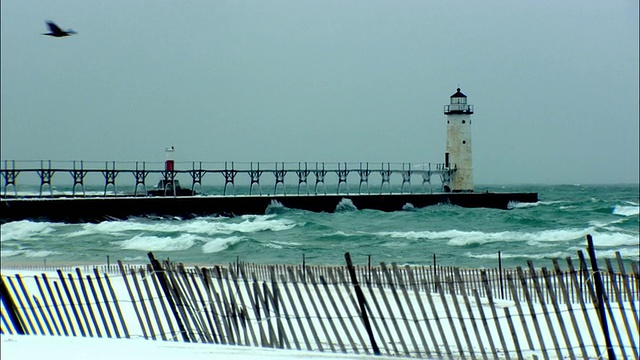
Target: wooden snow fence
(421, 312)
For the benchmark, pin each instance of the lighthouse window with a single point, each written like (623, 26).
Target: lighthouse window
(464, 141)
(463, 121)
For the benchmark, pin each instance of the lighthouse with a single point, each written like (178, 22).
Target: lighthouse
(457, 157)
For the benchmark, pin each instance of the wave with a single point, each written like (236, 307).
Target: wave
(25, 230)
(202, 226)
(28, 253)
(552, 255)
(220, 244)
(626, 210)
(521, 205)
(158, 243)
(346, 205)
(539, 238)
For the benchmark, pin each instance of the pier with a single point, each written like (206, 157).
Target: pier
(94, 191)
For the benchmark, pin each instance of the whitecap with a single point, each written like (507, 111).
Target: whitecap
(632, 253)
(38, 253)
(464, 238)
(24, 230)
(157, 243)
(552, 255)
(408, 207)
(220, 244)
(10, 253)
(615, 239)
(626, 210)
(345, 205)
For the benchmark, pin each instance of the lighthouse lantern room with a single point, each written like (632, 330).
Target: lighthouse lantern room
(458, 151)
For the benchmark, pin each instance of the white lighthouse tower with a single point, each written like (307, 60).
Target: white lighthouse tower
(458, 153)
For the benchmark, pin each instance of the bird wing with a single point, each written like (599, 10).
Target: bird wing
(54, 28)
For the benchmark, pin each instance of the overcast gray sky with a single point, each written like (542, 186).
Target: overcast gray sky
(554, 83)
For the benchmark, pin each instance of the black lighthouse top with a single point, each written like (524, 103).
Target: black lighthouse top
(458, 104)
(458, 94)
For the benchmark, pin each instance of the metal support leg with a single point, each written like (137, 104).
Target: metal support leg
(110, 177)
(342, 177)
(10, 176)
(406, 179)
(426, 178)
(196, 177)
(45, 177)
(319, 174)
(255, 178)
(169, 182)
(279, 174)
(78, 178)
(302, 177)
(141, 176)
(364, 178)
(386, 176)
(229, 178)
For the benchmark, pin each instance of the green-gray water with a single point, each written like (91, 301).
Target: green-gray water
(555, 227)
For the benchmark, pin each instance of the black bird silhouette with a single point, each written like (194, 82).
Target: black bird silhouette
(55, 31)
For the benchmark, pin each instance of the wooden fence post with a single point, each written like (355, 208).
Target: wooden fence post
(600, 298)
(361, 303)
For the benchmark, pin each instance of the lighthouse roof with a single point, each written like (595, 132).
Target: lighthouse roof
(458, 94)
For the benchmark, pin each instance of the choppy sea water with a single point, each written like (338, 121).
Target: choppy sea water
(554, 227)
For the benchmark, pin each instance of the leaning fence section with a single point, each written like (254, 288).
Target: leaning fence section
(583, 312)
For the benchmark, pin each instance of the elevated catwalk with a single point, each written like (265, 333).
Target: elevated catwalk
(75, 205)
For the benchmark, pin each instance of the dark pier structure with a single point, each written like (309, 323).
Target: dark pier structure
(170, 199)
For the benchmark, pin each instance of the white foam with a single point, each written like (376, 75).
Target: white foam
(39, 253)
(626, 210)
(220, 244)
(615, 240)
(199, 226)
(408, 207)
(632, 253)
(522, 205)
(464, 238)
(10, 253)
(157, 243)
(553, 255)
(345, 205)
(24, 230)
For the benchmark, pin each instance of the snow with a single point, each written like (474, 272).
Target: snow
(71, 348)
(59, 347)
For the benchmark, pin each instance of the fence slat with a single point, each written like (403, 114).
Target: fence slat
(311, 277)
(79, 302)
(623, 313)
(30, 303)
(246, 322)
(485, 323)
(472, 320)
(52, 318)
(494, 313)
(543, 304)
(389, 316)
(570, 310)
(461, 318)
(445, 304)
(436, 318)
(83, 287)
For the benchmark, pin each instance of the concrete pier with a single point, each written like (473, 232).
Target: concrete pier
(96, 209)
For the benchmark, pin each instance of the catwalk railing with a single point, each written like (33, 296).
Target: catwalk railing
(133, 176)
(581, 311)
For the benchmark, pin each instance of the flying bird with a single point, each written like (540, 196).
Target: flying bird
(56, 31)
